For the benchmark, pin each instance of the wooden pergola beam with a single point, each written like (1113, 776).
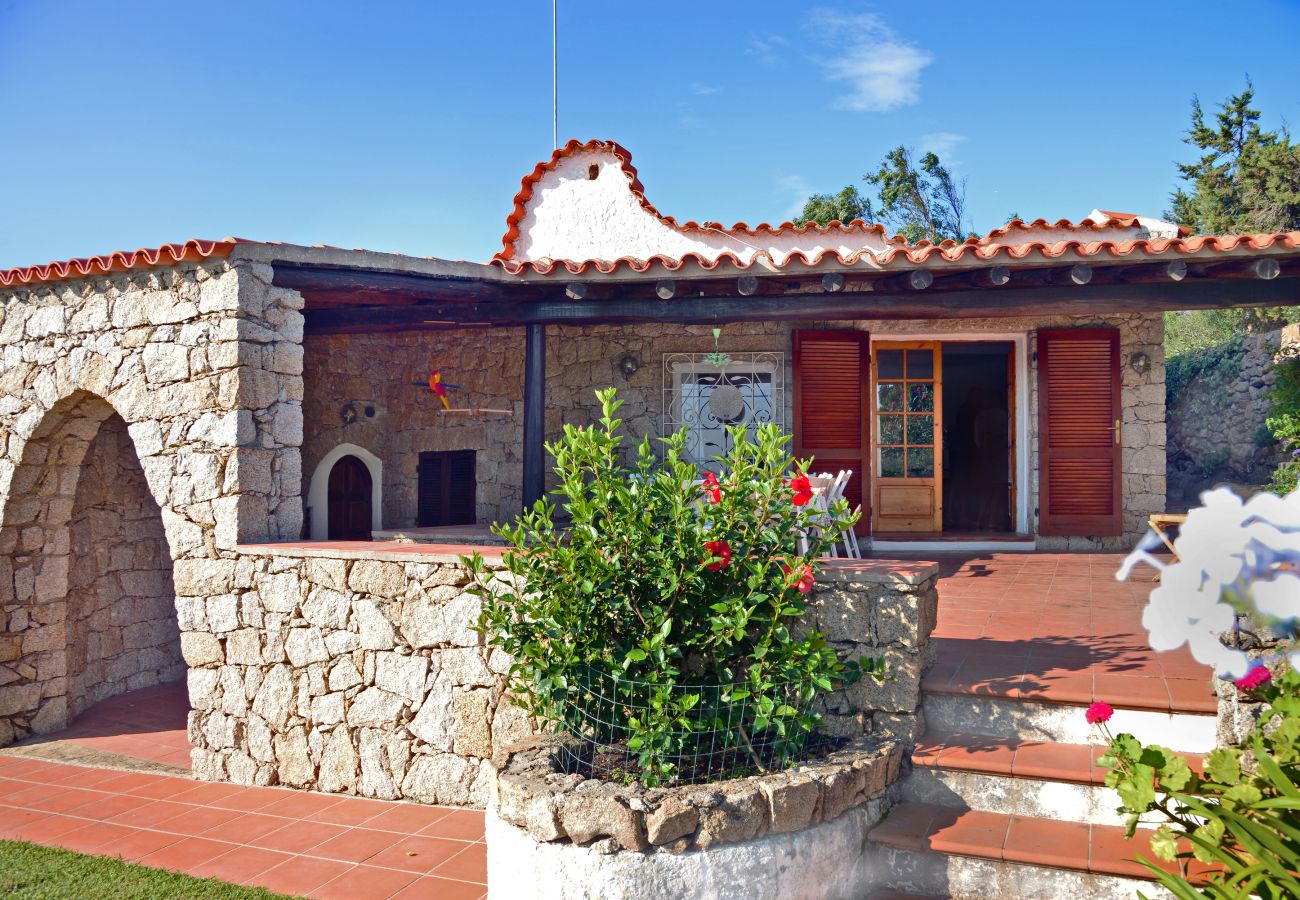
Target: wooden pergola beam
(1073, 299)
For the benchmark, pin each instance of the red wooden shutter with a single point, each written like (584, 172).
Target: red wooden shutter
(1078, 428)
(832, 378)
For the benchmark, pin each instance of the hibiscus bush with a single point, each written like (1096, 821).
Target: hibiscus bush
(1236, 577)
(657, 623)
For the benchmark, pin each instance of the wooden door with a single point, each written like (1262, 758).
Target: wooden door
(1079, 432)
(1012, 438)
(832, 382)
(907, 436)
(349, 500)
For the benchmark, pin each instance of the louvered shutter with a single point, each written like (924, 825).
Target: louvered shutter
(832, 376)
(1079, 440)
(446, 488)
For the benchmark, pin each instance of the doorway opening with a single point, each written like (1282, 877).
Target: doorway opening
(978, 437)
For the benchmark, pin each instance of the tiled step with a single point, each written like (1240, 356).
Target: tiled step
(1028, 778)
(926, 848)
(1064, 723)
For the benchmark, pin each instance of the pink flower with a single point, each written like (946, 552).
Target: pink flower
(1254, 679)
(1098, 713)
(802, 489)
(712, 488)
(721, 551)
(805, 583)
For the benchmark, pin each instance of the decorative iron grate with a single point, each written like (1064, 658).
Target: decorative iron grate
(748, 389)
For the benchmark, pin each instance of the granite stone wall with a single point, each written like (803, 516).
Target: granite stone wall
(122, 632)
(488, 363)
(1217, 430)
(201, 364)
(361, 672)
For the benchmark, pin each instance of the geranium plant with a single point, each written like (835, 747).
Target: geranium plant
(1239, 817)
(656, 621)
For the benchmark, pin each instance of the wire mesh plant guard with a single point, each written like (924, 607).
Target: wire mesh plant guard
(709, 737)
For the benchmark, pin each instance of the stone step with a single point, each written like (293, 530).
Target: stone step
(1064, 723)
(903, 895)
(1028, 778)
(925, 848)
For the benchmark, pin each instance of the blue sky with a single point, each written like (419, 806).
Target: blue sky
(406, 127)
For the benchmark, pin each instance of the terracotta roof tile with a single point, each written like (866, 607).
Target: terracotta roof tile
(166, 255)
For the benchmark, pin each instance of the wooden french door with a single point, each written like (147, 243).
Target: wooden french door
(907, 436)
(832, 405)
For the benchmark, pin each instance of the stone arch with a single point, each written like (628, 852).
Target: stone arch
(318, 489)
(87, 578)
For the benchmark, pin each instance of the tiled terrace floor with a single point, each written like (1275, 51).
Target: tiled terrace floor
(1059, 627)
(293, 842)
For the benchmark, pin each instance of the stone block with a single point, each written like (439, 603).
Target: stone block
(373, 628)
(470, 732)
(672, 819)
(338, 763)
(304, 646)
(384, 580)
(584, 817)
(199, 648)
(742, 815)
(293, 763)
(244, 647)
(793, 802)
(375, 707)
(404, 675)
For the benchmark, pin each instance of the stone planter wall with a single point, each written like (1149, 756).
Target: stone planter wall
(359, 672)
(553, 834)
(356, 673)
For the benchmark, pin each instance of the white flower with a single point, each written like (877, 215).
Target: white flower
(1279, 598)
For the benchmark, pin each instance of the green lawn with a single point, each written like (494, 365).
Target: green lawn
(28, 871)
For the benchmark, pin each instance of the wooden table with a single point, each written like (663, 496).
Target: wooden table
(1160, 521)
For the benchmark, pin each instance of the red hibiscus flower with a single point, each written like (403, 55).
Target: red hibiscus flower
(1098, 713)
(712, 488)
(802, 489)
(805, 583)
(1255, 678)
(721, 551)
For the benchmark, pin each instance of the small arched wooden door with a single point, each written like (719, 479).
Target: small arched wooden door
(349, 500)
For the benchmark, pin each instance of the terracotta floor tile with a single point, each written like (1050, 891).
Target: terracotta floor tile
(1053, 762)
(971, 752)
(407, 818)
(239, 865)
(185, 854)
(137, 845)
(161, 789)
(1113, 854)
(1191, 695)
(350, 811)
(458, 824)
(14, 821)
(92, 836)
(469, 864)
(433, 888)
(245, 828)
(154, 812)
(247, 799)
(298, 804)
(299, 875)
(297, 837)
(1140, 692)
(41, 829)
(198, 820)
(107, 806)
(968, 833)
(927, 749)
(417, 854)
(355, 845)
(366, 881)
(1047, 842)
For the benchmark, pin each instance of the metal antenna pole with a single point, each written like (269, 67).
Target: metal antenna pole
(555, 78)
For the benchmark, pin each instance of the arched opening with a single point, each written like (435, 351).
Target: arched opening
(323, 488)
(349, 500)
(93, 603)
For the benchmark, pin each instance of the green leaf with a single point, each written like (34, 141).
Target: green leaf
(635, 655)
(1223, 765)
(1164, 844)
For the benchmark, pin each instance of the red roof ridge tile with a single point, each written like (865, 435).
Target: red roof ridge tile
(118, 261)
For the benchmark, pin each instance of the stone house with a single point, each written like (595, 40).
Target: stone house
(195, 439)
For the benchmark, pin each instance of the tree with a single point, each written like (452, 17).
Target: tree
(916, 201)
(1246, 180)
